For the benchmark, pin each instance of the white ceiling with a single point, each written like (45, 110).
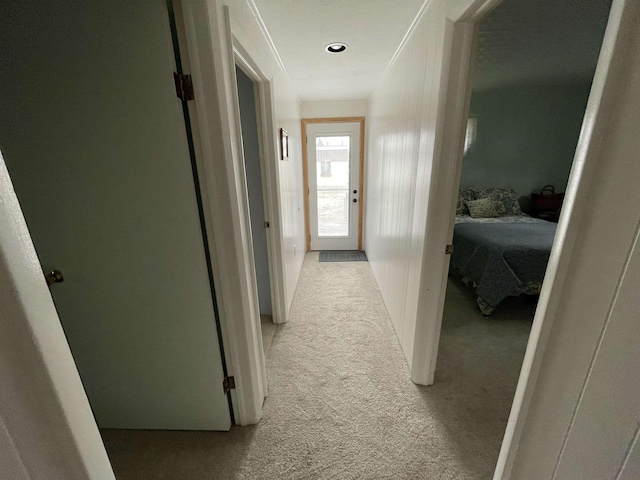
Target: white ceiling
(300, 29)
(521, 40)
(540, 41)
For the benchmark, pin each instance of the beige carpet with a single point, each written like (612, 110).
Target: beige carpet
(341, 404)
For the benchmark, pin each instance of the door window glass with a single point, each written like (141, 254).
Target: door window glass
(332, 177)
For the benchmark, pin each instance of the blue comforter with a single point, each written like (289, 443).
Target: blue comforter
(503, 259)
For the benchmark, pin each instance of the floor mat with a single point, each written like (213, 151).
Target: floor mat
(342, 256)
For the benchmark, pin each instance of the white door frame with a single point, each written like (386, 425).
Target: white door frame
(583, 184)
(268, 147)
(210, 50)
(305, 171)
(462, 18)
(459, 46)
(351, 130)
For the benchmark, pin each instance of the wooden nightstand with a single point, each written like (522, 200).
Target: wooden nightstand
(547, 204)
(551, 217)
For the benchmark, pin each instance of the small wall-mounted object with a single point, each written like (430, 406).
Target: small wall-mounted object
(284, 144)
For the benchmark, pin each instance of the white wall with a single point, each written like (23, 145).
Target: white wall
(247, 29)
(354, 108)
(402, 126)
(47, 429)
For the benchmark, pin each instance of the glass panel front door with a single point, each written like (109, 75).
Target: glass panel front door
(333, 184)
(333, 181)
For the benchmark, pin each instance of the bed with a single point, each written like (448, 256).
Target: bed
(501, 255)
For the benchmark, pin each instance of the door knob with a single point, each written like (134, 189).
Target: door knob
(355, 191)
(54, 276)
(355, 200)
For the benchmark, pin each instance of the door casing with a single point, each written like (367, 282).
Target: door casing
(462, 19)
(305, 171)
(351, 130)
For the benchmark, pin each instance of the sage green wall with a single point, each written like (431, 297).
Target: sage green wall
(526, 137)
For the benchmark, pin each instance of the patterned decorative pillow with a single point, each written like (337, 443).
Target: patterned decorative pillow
(482, 208)
(464, 195)
(506, 202)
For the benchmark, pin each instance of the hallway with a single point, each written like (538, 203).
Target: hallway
(341, 403)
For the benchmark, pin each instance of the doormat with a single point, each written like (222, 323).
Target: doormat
(342, 256)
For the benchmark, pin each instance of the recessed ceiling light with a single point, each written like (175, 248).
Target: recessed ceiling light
(337, 47)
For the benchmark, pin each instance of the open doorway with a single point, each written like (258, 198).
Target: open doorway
(530, 86)
(248, 104)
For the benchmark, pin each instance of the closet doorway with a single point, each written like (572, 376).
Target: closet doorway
(255, 190)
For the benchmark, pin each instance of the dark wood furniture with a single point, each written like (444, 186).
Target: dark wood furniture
(547, 203)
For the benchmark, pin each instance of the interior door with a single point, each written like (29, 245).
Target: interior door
(96, 146)
(333, 175)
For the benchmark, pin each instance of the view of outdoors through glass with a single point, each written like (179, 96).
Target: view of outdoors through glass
(332, 174)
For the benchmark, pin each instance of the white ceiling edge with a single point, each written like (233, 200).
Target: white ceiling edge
(265, 32)
(410, 30)
(403, 42)
(274, 49)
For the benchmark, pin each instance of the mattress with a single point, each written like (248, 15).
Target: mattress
(502, 256)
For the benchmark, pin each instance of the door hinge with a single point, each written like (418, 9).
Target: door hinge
(184, 86)
(228, 383)
(266, 224)
(448, 250)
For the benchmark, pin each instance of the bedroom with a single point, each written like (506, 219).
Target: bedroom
(527, 105)
(529, 92)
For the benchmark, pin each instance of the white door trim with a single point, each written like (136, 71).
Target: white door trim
(440, 219)
(271, 183)
(212, 64)
(455, 95)
(459, 40)
(305, 174)
(604, 91)
(351, 130)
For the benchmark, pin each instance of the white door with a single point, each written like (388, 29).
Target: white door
(96, 146)
(333, 153)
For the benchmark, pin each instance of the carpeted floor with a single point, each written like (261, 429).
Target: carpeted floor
(341, 404)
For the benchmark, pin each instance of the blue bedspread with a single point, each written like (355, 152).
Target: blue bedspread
(502, 259)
